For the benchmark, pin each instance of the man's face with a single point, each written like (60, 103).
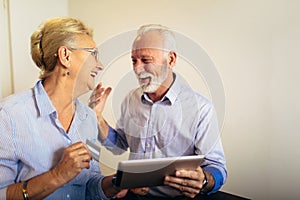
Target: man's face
(150, 67)
(149, 61)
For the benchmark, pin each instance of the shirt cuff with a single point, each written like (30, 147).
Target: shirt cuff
(218, 177)
(111, 139)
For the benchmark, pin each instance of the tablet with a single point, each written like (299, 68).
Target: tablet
(151, 172)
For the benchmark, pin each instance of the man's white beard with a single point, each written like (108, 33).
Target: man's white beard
(155, 81)
(152, 87)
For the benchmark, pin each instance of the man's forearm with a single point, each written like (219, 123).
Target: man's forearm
(102, 129)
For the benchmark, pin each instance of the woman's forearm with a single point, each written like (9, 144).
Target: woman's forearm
(38, 187)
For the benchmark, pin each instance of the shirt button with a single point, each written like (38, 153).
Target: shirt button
(147, 145)
(68, 196)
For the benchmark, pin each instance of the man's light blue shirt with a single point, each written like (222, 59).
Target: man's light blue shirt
(182, 123)
(32, 141)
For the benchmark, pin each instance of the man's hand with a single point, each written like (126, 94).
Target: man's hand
(189, 182)
(98, 98)
(121, 194)
(97, 102)
(140, 191)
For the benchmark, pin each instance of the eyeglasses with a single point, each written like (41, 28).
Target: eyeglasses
(93, 51)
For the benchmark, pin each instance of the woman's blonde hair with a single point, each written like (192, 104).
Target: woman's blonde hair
(52, 34)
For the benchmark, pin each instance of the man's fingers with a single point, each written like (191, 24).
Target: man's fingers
(140, 191)
(121, 194)
(104, 93)
(183, 184)
(184, 189)
(98, 94)
(107, 91)
(190, 174)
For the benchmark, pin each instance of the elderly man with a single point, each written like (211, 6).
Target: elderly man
(164, 118)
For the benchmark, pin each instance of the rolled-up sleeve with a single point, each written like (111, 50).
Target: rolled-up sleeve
(208, 142)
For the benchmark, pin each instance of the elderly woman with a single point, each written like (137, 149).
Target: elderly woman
(43, 130)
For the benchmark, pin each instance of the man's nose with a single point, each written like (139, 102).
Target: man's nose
(139, 68)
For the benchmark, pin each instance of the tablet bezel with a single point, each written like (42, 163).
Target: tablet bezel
(151, 172)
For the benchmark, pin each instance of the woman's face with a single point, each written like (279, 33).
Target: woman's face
(85, 65)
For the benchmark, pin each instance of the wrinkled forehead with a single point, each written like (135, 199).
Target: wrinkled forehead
(147, 52)
(150, 40)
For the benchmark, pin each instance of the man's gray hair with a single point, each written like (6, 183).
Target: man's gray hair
(168, 35)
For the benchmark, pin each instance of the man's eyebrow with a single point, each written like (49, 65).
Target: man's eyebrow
(146, 56)
(142, 57)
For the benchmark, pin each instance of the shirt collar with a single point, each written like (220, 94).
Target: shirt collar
(170, 96)
(45, 106)
(43, 102)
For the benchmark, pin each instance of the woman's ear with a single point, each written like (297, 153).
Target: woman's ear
(171, 59)
(64, 56)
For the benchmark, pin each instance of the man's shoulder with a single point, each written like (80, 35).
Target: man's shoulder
(189, 93)
(134, 93)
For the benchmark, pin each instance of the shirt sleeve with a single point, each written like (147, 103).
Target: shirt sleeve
(218, 178)
(111, 139)
(95, 189)
(116, 141)
(8, 162)
(208, 143)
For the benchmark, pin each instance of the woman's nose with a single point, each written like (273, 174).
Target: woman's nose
(99, 65)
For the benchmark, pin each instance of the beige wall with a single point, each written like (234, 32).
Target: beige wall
(255, 46)
(24, 18)
(5, 67)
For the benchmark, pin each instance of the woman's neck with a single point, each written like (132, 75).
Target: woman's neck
(62, 98)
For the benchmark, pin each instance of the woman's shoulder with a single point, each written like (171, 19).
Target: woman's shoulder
(18, 100)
